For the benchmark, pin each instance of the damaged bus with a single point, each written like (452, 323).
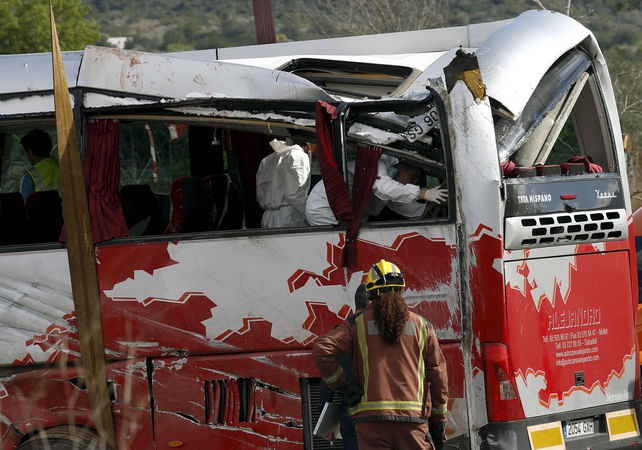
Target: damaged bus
(526, 272)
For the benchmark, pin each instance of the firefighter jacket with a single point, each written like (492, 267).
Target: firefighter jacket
(406, 381)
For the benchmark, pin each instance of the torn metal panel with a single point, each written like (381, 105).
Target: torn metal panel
(257, 402)
(464, 67)
(514, 58)
(147, 74)
(31, 104)
(36, 320)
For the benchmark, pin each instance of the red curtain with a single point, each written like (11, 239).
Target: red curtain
(335, 186)
(365, 171)
(102, 180)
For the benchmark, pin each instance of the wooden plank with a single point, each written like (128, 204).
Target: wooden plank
(80, 250)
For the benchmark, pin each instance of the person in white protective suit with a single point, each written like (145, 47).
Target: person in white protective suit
(396, 186)
(282, 184)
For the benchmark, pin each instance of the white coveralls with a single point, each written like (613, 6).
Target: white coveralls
(282, 184)
(385, 191)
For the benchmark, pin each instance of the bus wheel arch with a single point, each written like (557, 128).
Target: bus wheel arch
(64, 437)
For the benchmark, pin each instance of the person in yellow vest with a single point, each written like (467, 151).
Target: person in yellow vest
(44, 174)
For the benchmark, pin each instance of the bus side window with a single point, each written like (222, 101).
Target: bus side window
(165, 165)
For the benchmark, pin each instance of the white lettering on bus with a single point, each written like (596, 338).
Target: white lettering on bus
(579, 317)
(619, 396)
(534, 198)
(601, 195)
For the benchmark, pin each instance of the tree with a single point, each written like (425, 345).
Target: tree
(626, 77)
(627, 5)
(26, 26)
(330, 18)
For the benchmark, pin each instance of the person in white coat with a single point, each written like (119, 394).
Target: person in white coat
(396, 186)
(282, 184)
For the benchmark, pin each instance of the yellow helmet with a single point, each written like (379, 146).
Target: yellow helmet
(384, 274)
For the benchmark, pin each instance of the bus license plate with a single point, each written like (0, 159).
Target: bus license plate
(574, 428)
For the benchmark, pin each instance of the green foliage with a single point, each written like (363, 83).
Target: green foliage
(158, 25)
(625, 66)
(26, 26)
(627, 5)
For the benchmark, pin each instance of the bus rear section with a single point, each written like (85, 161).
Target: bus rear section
(560, 360)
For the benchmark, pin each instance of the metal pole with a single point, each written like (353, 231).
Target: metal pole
(264, 22)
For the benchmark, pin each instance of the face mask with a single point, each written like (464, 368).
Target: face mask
(392, 172)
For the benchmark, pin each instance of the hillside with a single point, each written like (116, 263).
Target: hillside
(173, 25)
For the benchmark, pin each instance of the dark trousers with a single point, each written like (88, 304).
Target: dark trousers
(391, 435)
(348, 433)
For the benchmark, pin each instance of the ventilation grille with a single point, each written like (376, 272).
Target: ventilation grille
(564, 229)
(318, 443)
(229, 401)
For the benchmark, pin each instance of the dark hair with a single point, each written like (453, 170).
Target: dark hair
(391, 314)
(361, 298)
(38, 141)
(414, 168)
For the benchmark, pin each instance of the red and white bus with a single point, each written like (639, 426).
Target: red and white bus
(527, 273)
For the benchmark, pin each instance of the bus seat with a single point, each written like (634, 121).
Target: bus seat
(190, 211)
(572, 168)
(44, 215)
(548, 169)
(13, 219)
(142, 210)
(165, 209)
(521, 172)
(226, 200)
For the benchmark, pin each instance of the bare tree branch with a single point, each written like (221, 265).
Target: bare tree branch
(539, 4)
(358, 17)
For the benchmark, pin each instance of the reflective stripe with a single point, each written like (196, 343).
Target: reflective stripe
(386, 405)
(363, 348)
(334, 377)
(439, 409)
(421, 370)
(45, 175)
(37, 179)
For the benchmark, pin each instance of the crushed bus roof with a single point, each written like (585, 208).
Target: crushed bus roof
(513, 56)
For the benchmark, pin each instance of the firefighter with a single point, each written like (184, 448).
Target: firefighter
(398, 389)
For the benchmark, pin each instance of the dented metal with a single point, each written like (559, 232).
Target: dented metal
(208, 337)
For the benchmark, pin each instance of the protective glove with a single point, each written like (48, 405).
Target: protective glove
(353, 392)
(436, 194)
(437, 432)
